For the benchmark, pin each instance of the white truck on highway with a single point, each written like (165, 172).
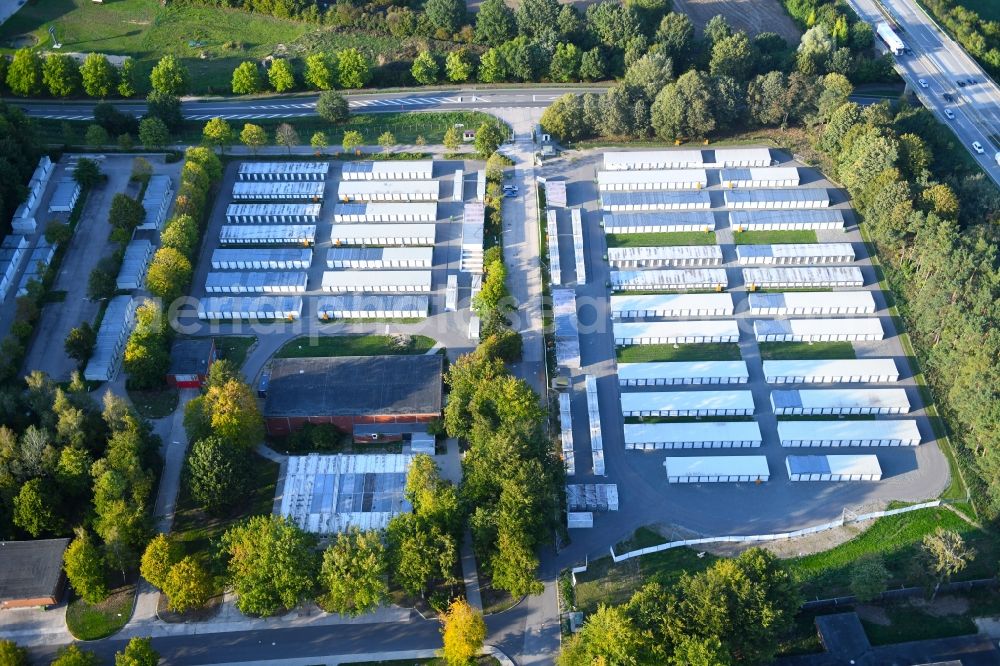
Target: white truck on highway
(890, 38)
(997, 158)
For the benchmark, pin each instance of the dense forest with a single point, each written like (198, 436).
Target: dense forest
(19, 153)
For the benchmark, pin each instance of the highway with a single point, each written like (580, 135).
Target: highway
(297, 106)
(942, 63)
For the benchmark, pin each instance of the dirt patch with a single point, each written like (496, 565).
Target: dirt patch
(942, 606)
(807, 545)
(751, 16)
(22, 42)
(873, 614)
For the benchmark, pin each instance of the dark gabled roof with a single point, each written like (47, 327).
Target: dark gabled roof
(355, 386)
(190, 357)
(30, 569)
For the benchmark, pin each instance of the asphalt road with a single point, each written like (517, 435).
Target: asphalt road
(941, 63)
(296, 106)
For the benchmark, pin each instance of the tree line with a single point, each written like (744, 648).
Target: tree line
(979, 37)
(137, 652)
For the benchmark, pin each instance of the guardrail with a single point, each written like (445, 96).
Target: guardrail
(782, 536)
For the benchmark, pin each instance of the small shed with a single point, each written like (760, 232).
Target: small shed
(31, 573)
(190, 361)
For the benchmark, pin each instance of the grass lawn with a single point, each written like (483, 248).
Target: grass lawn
(88, 622)
(661, 239)
(234, 348)
(912, 623)
(897, 538)
(778, 351)
(353, 345)
(772, 237)
(155, 403)
(406, 127)
(609, 583)
(714, 351)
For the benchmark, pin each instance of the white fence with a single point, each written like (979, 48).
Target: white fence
(844, 520)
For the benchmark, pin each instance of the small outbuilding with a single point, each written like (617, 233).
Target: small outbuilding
(190, 361)
(31, 573)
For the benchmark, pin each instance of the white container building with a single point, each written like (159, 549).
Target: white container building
(760, 177)
(656, 223)
(670, 279)
(555, 193)
(596, 435)
(473, 230)
(844, 433)
(808, 402)
(250, 308)
(156, 201)
(592, 496)
(675, 332)
(834, 371)
(134, 265)
(481, 185)
(383, 234)
(387, 282)
(804, 197)
(373, 306)
(265, 282)
(265, 259)
(653, 159)
(711, 435)
(670, 256)
(675, 373)
(268, 234)
(24, 217)
(389, 170)
(388, 190)
(788, 254)
(803, 277)
(116, 326)
(717, 469)
(743, 157)
(576, 220)
(672, 305)
(353, 213)
(273, 213)
(279, 191)
(813, 303)
(654, 180)
(576, 520)
(283, 171)
(567, 333)
(552, 236)
(624, 202)
(833, 468)
(688, 403)
(818, 330)
(65, 197)
(566, 434)
(458, 191)
(826, 219)
(379, 258)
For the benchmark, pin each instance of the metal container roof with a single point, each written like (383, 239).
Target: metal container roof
(848, 430)
(718, 431)
(839, 465)
(284, 167)
(700, 219)
(362, 280)
(850, 326)
(678, 278)
(812, 299)
(817, 195)
(840, 398)
(710, 328)
(366, 303)
(279, 306)
(796, 250)
(804, 275)
(273, 209)
(665, 253)
(666, 401)
(860, 367)
(353, 234)
(390, 169)
(749, 218)
(652, 159)
(716, 466)
(693, 177)
(768, 174)
(663, 302)
(290, 233)
(387, 211)
(700, 199)
(682, 370)
(360, 190)
(278, 189)
(742, 156)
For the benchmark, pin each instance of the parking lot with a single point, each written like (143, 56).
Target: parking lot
(712, 509)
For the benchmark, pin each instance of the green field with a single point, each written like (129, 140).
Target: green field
(716, 351)
(353, 345)
(210, 41)
(661, 239)
(780, 351)
(405, 127)
(234, 348)
(772, 237)
(88, 622)
(988, 10)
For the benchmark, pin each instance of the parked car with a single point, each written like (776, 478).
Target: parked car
(978, 147)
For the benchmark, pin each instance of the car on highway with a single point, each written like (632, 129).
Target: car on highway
(922, 82)
(948, 97)
(949, 114)
(961, 84)
(971, 82)
(978, 147)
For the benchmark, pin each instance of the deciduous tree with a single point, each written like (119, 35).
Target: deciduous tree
(353, 68)
(100, 77)
(446, 15)
(352, 139)
(494, 23)
(126, 78)
(84, 565)
(138, 652)
(218, 473)
(683, 109)
(489, 136)
(321, 70)
(24, 75)
(458, 65)
(169, 274)
(353, 574)
(218, 132)
(60, 75)
(72, 655)
(253, 137)
(425, 68)
(463, 633)
(12, 655)
(159, 556)
(188, 585)
(169, 76)
(319, 142)
(285, 135)
(281, 76)
(37, 508)
(153, 133)
(332, 107)
(79, 344)
(945, 554)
